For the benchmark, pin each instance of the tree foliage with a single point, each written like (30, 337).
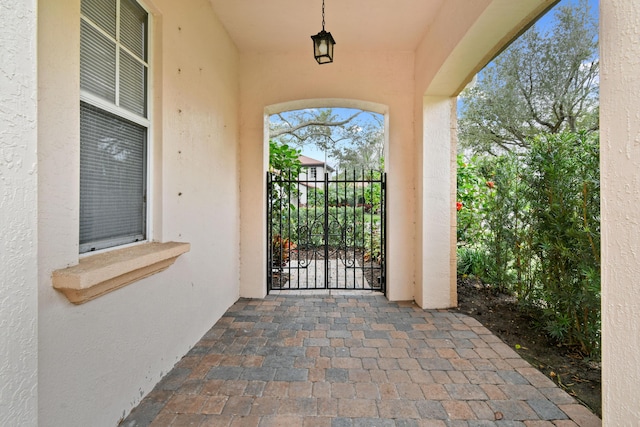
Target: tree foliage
(365, 150)
(314, 126)
(564, 197)
(285, 166)
(283, 160)
(529, 198)
(351, 142)
(529, 224)
(544, 82)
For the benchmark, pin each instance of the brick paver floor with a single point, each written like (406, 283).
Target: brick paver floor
(334, 361)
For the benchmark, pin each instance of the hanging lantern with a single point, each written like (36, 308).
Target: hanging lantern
(323, 44)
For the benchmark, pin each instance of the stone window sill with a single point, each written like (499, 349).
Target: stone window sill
(99, 274)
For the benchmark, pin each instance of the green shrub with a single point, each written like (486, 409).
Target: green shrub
(529, 224)
(373, 241)
(564, 193)
(475, 263)
(471, 198)
(315, 197)
(347, 227)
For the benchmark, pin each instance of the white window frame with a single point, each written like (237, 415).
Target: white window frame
(313, 173)
(123, 113)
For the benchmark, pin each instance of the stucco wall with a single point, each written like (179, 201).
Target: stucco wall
(436, 287)
(97, 360)
(18, 214)
(620, 178)
(464, 37)
(385, 79)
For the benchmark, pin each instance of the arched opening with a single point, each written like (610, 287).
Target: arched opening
(326, 196)
(525, 143)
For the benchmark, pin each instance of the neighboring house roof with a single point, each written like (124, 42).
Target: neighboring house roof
(309, 162)
(309, 184)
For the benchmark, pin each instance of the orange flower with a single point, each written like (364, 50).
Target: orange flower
(491, 184)
(458, 206)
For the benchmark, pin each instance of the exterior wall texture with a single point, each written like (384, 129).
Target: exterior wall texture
(462, 40)
(383, 79)
(89, 365)
(436, 289)
(18, 214)
(97, 360)
(620, 195)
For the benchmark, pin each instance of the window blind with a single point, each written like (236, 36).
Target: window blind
(133, 77)
(133, 25)
(97, 63)
(102, 13)
(112, 179)
(113, 150)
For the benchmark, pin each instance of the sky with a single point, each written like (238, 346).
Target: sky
(593, 5)
(543, 22)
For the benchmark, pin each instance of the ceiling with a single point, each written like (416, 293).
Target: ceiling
(287, 25)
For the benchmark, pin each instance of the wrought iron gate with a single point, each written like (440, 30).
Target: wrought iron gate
(326, 234)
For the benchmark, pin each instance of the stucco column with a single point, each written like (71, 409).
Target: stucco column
(436, 282)
(254, 159)
(18, 211)
(620, 177)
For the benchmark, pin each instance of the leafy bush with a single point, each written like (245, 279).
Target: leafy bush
(305, 226)
(471, 198)
(475, 263)
(285, 167)
(507, 224)
(315, 197)
(373, 241)
(341, 194)
(564, 193)
(373, 193)
(529, 223)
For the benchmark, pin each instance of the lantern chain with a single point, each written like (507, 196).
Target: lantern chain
(322, 15)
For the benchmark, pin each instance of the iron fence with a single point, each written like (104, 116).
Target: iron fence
(328, 233)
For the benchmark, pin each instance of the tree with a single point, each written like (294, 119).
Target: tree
(352, 141)
(285, 168)
(300, 127)
(563, 181)
(545, 82)
(365, 149)
(283, 160)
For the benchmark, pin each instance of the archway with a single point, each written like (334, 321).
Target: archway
(326, 203)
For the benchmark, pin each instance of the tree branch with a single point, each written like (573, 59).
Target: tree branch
(274, 133)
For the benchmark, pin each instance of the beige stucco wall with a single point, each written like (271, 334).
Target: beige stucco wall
(467, 36)
(436, 286)
(620, 178)
(464, 38)
(18, 214)
(385, 79)
(97, 360)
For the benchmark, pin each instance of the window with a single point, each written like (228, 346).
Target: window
(114, 124)
(313, 173)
